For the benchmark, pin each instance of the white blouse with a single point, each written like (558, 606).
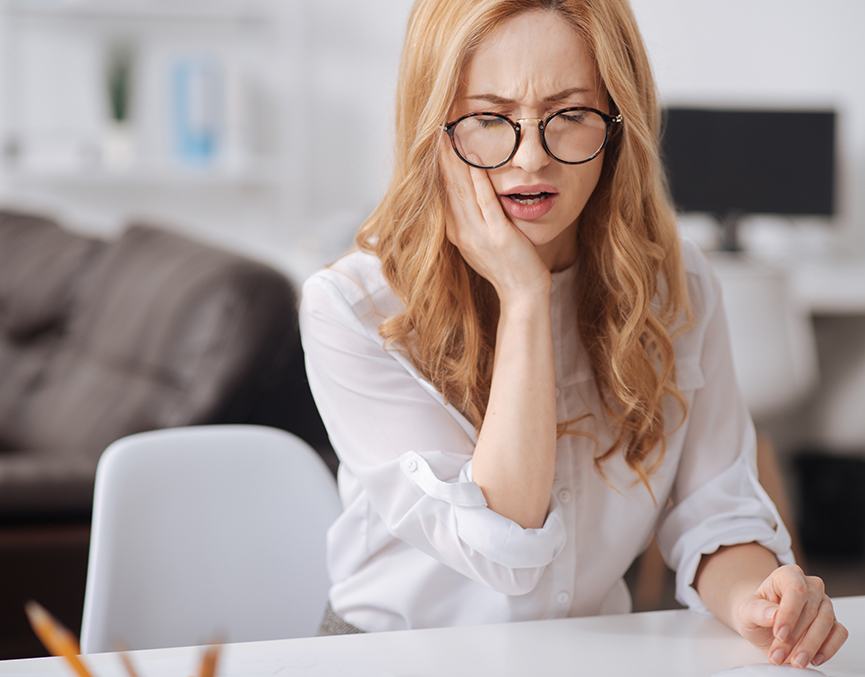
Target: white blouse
(416, 545)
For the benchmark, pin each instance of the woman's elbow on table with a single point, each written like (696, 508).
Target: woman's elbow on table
(451, 522)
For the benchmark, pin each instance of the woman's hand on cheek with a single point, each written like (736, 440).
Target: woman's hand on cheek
(791, 618)
(488, 241)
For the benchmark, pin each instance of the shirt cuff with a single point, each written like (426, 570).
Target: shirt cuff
(742, 512)
(494, 536)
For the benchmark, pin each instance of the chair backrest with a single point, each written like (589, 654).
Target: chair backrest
(207, 533)
(773, 343)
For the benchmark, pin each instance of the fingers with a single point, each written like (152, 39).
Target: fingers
(837, 636)
(759, 613)
(816, 597)
(815, 635)
(792, 588)
(462, 204)
(805, 620)
(450, 172)
(487, 198)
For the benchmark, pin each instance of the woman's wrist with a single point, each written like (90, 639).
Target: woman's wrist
(728, 577)
(524, 302)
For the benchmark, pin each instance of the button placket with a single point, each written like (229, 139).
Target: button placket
(565, 495)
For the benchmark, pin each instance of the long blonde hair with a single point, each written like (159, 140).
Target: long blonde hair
(627, 237)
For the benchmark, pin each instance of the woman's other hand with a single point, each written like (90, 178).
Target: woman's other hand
(791, 618)
(487, 239)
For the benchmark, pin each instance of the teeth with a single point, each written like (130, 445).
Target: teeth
(529, 201)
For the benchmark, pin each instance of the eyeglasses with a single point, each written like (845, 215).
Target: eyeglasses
(571, 135)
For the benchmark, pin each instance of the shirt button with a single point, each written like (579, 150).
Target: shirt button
(563, 598)
(411, 465)
(564, 495)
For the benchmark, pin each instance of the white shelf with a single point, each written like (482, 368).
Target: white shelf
(831, 287)
(212, 12)
(262, 174)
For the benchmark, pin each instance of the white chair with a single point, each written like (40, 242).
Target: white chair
(773, 344)
(207, 533)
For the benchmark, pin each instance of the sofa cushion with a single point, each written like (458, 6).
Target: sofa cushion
(167, 331)
(40, 264)
(46, 483)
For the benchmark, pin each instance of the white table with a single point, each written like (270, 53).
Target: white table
(663, 643)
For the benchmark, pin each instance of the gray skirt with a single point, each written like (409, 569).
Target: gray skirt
(332, 624)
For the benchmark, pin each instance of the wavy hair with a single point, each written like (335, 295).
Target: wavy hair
(631, 286)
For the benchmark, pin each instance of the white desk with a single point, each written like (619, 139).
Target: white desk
(830, 287)
(662, 643)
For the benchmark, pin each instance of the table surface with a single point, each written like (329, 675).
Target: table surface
(830, 287)
(663, 643)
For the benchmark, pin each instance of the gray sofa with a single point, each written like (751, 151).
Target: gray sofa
(103, 338)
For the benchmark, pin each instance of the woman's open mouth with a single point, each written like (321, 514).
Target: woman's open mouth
(528, 198)
(528, 206)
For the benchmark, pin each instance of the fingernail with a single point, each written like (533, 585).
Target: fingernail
(783, 631)
(819, 658)
(801, 660)
(770, 612)
(778, 656)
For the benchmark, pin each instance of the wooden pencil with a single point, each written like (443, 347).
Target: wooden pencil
(208, 661)
(127, 662)
(57, 639)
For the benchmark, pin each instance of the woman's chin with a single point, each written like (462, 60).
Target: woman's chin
(537, 232)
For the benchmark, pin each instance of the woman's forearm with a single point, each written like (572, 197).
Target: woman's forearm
(515, 456)
(730, 575)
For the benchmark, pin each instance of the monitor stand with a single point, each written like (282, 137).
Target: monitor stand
(729, 224)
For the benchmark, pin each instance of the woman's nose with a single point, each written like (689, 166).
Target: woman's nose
(530, 154)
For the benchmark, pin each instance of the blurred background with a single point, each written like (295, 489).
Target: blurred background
(173, 171)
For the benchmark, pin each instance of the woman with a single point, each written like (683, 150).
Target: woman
(524, 372)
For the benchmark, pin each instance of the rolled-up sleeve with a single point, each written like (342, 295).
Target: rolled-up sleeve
(717, 499)
(410, 455)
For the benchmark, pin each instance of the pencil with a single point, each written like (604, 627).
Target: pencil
(126, 660)
(208, 661)
(57, 639)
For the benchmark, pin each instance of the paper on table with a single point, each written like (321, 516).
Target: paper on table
(768, 670)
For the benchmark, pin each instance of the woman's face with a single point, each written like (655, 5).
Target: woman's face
(525, 69)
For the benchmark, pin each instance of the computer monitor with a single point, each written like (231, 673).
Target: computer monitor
(733, 162)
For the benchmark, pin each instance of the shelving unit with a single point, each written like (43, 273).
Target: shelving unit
(262, 176)
(90, 10)
(144, 27)
(55, 119)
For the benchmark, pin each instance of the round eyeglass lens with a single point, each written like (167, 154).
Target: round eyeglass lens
(574, 136)
(488, 137)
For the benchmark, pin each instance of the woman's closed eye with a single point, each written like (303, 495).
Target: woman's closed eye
(576, 117)
(487, 122)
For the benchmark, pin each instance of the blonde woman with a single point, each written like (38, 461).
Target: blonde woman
(523, 370)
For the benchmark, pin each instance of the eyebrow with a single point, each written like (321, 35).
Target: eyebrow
(493, 98)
